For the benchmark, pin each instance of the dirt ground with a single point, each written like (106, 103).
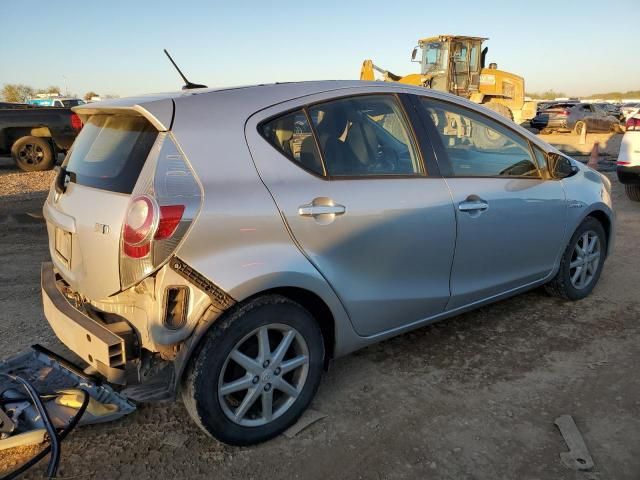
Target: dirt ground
(473, 397)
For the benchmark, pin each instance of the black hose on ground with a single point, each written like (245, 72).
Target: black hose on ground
(55, 437)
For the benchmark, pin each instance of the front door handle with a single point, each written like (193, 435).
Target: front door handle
(473, 206)
(322, 209)
(311, 210)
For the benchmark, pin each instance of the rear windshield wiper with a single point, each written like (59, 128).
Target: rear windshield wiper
(63, 178)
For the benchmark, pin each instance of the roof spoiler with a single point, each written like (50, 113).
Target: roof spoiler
(158, 110)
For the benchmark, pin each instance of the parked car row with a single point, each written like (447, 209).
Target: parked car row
(56, 102)
(575, 116)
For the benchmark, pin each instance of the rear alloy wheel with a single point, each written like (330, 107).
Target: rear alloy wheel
(32, 154)
(633, 192)
(256, 371)
(581, 263)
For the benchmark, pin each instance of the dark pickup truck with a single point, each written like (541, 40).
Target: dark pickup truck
(34, 135)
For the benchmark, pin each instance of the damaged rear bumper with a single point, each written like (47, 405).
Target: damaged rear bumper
(103, 346)
(114, 346)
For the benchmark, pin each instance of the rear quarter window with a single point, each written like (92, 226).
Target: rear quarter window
(110, 151)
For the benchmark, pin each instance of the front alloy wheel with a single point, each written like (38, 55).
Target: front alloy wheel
(585, 260)
(581, 262)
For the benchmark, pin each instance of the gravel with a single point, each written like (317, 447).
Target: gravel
(21, 183)
(17, 185)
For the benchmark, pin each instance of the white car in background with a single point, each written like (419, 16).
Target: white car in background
(628, 110)
(628, 168)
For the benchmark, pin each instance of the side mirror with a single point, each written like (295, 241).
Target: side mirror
(561, 166)
(414, 53)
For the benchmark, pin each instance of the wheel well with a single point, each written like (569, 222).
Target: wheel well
(605, 221)
(10, 135)
(316, 307)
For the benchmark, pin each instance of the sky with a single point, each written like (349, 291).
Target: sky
(115, 46)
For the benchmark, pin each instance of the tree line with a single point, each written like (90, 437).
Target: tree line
(20, 93)
(551, 94)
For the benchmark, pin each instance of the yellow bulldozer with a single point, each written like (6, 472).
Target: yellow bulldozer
(456, 64)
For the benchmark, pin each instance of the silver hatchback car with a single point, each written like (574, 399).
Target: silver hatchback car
(225, 245)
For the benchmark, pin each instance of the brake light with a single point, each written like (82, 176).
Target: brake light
(76, 123)
(633, 124)
(170, 216)
(145, 222)
(139, 226)
(164, 203)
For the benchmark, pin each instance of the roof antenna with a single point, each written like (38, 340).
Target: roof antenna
(187, 84)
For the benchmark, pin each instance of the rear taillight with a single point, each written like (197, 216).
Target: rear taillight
(564, 113)
(163, 205)
(76, 123)
(146, 222)
(633, 124)
(170, 216)
(139, 226)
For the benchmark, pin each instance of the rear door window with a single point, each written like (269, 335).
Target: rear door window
(110, 151)
(291, 135)
(365, 135)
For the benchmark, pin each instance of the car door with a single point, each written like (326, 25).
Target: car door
(351, 185)
(510, 215)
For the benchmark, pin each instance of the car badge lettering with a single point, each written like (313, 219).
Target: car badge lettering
(101, 228)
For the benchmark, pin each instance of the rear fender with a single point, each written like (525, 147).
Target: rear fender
(258, 279)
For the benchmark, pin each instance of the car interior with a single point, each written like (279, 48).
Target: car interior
(357, 136)
(474, 149)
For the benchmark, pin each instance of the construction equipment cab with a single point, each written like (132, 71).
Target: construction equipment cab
(456, 64)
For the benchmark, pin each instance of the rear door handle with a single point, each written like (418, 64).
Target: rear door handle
(473, 206)
(311, 210)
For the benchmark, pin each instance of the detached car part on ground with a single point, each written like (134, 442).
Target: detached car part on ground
(34, 135)
(628, 164)
(43, 397)
(227, 244)
(575, 117)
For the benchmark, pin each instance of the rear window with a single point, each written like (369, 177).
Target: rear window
(110, 151)
(560, 106)
(73, 103)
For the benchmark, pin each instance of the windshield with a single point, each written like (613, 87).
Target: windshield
(434, 57)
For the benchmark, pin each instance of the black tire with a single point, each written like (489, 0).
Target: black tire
(486, 138)
(500, 109)
(633, 192)
(200, 384)
(33, 154)
(561, 285)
